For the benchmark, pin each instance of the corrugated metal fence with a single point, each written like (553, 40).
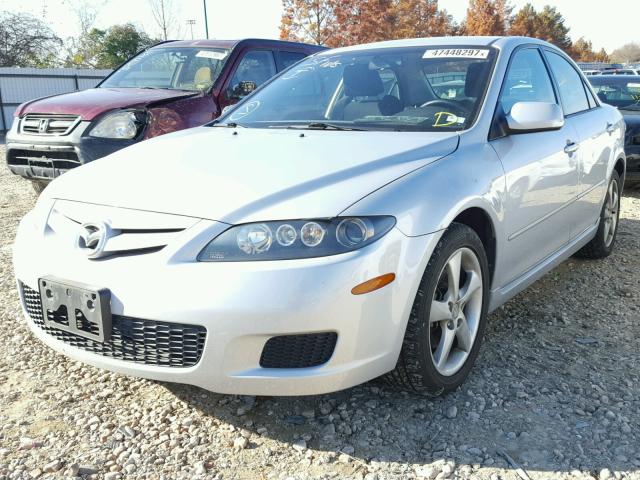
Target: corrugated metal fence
(18, 85)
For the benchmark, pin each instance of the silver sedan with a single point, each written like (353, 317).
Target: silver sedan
(358, 215)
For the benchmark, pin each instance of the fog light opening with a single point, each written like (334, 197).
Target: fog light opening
(373, 284)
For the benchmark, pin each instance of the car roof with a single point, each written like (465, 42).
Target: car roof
(234, 43)
(501, 42)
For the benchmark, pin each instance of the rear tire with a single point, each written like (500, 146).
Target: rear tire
(446, 317)
(38, 187)
(602, 244)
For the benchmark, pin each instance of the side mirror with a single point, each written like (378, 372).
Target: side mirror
(528, 117)
(243, 89)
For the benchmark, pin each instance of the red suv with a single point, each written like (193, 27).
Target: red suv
(168, 87)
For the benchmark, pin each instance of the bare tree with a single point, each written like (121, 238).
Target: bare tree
(27, 41)
(166, 18)
(628, 53)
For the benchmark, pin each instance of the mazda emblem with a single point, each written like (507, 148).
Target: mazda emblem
(92, 238)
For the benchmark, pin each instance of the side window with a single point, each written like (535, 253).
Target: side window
(590, 97)
(255, 68)
(574, 98)
(527, 80)
(289, 58)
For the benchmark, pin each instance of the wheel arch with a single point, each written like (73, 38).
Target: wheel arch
(620, 166)
(481, 222)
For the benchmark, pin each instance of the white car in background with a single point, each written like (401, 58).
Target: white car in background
(342, 222)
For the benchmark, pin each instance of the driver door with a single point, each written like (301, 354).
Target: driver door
(253, 69)
(541, 171)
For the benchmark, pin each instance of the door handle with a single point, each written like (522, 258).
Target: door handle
(571, 147)
(610, 128)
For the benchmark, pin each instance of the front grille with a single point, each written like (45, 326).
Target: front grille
(132, 339)
(58, 159)
(298, 351)
(37, 124)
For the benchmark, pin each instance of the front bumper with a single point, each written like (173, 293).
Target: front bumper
(45, 157)
(242, 305)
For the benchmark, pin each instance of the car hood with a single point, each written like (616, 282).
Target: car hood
(242, 175)
(95, 101)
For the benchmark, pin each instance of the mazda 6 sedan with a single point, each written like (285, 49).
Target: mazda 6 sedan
(344, 221)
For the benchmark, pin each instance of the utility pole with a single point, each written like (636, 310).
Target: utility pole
(191, 23)
(206, 23)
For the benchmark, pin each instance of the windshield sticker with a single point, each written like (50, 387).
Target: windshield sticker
(211, 54)
(244, 110)
(447, 119)
(457, 53)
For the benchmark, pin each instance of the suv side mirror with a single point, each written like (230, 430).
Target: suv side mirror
(242, 89)
(528, 117)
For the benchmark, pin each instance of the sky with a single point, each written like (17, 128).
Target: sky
(607, 26)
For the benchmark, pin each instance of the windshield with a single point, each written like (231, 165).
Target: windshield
(171, 68)
(621, 92)
(403, 89)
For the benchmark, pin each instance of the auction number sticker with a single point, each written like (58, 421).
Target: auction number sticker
(457, 53)
(211, 54)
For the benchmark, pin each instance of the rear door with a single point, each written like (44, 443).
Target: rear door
(590, 122)
(541, 170)
(287, 58)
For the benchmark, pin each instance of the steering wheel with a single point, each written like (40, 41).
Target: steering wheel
(438, 102)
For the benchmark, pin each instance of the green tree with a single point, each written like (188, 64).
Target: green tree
(547, 24)
(26, 41)
(108, 48)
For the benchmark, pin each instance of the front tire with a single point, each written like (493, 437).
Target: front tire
(38, 187)
(448, 317)
(602, 244)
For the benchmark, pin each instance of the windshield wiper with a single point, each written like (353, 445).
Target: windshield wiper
(325, 126)
(227, 125)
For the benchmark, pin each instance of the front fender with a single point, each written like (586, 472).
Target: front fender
(427, 200)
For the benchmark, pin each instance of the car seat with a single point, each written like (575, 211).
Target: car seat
(202, 78)
(360, 84)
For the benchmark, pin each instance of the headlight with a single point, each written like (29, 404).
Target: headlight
(121, 125)
(291, 239)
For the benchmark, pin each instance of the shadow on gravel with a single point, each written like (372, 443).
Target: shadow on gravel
(556, 387)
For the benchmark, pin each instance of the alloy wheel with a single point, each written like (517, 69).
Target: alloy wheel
(455, 312)
(611, 213)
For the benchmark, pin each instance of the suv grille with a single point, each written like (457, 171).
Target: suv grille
(57, 159)
(36, 124)
(134, 340)
(298, 351)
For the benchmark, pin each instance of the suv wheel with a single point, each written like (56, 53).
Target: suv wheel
(38, 187)
(448, 318)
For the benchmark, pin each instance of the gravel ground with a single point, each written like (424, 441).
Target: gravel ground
(555, 393)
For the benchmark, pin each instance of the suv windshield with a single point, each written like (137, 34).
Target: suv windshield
(620, 91)
(172, 68)
(403, 89)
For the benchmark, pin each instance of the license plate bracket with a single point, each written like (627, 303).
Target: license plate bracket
(76, 308)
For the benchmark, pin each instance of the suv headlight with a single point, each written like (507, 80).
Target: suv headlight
(285, 240)
(122, 125)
